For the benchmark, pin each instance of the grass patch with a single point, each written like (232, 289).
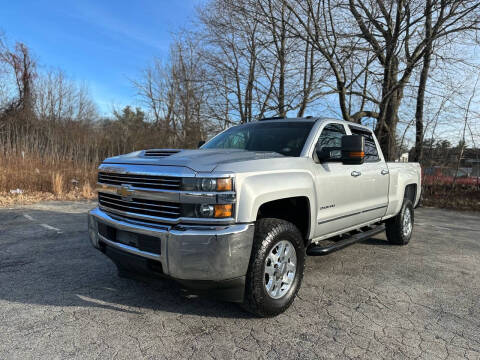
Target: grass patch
(31, 179)
(460, 197)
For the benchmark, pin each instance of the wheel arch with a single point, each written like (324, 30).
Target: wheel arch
(296, 210)
(410, 192)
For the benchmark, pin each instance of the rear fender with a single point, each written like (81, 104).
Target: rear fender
(399, 180)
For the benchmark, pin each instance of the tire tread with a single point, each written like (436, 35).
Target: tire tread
(265, 230)
(393, 226)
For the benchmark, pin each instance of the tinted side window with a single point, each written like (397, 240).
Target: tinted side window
(371, 153)
(331, 137)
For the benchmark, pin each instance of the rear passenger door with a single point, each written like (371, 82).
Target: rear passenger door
(373, 180)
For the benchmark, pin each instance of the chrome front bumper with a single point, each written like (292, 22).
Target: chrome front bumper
(214, 253)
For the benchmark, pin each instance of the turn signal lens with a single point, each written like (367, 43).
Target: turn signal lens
(357, 154)
(223, 211)
(224, 184)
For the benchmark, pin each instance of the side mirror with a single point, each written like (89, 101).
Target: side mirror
(353, 149)
(201, 142)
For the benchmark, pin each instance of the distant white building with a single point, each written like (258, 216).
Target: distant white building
(403, 158)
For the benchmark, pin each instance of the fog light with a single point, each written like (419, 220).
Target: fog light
(93, 231)
(205, 210)
(223, 210)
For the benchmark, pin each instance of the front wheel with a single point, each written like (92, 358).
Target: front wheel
(399, 228)
(276, 267)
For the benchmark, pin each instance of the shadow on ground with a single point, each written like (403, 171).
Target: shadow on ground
(42, 266)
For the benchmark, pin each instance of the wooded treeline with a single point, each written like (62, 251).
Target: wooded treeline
(385, 63)
(396, 65)
(49, 117)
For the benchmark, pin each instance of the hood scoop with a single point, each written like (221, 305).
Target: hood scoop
(160, 153)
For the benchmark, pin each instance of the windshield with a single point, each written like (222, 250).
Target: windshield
(286, 138)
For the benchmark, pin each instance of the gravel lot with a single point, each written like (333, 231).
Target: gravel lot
(60, 298)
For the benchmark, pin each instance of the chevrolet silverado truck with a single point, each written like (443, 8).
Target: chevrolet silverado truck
(238, 216)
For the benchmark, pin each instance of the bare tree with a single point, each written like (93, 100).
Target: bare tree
(233, 48)
(58, 98)
(327, 27)
(460, 27)
(24, 69)
(423, 82)
(395, 37)
(394, 32)
(157, 94)
(462, 143)
(175, 94)
(255, 66)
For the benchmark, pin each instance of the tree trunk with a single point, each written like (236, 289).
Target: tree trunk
(392, 93)
(418, 155)
(308, 71)
(386, 128)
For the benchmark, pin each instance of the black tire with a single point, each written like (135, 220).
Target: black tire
(268, 233)
(395, 226)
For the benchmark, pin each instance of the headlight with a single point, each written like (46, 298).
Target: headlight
(207, 184)
(213, 206)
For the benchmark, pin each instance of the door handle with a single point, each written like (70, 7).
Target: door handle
(384, 172)
(356, 173)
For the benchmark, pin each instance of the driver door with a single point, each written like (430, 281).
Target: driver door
(338, 191)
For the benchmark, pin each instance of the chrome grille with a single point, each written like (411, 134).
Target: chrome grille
(140, 206)
(141, 181)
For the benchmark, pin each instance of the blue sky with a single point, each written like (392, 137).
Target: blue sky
(101, 43)
(105, 43)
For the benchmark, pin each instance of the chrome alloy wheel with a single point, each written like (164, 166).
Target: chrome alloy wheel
(280, 269)
(407, 223)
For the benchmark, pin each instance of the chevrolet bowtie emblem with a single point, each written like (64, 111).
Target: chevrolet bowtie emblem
(125, 192)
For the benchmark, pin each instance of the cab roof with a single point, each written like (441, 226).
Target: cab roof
(312, 119)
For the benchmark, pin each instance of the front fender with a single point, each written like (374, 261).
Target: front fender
(258, 189)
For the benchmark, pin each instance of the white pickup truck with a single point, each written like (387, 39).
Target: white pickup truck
(240, 214)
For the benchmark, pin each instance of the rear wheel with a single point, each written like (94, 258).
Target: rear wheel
(399, 228)
(276, 267)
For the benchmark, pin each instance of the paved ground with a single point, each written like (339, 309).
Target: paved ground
(60, 298)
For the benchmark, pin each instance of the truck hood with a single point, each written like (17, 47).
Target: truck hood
(200, 160)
